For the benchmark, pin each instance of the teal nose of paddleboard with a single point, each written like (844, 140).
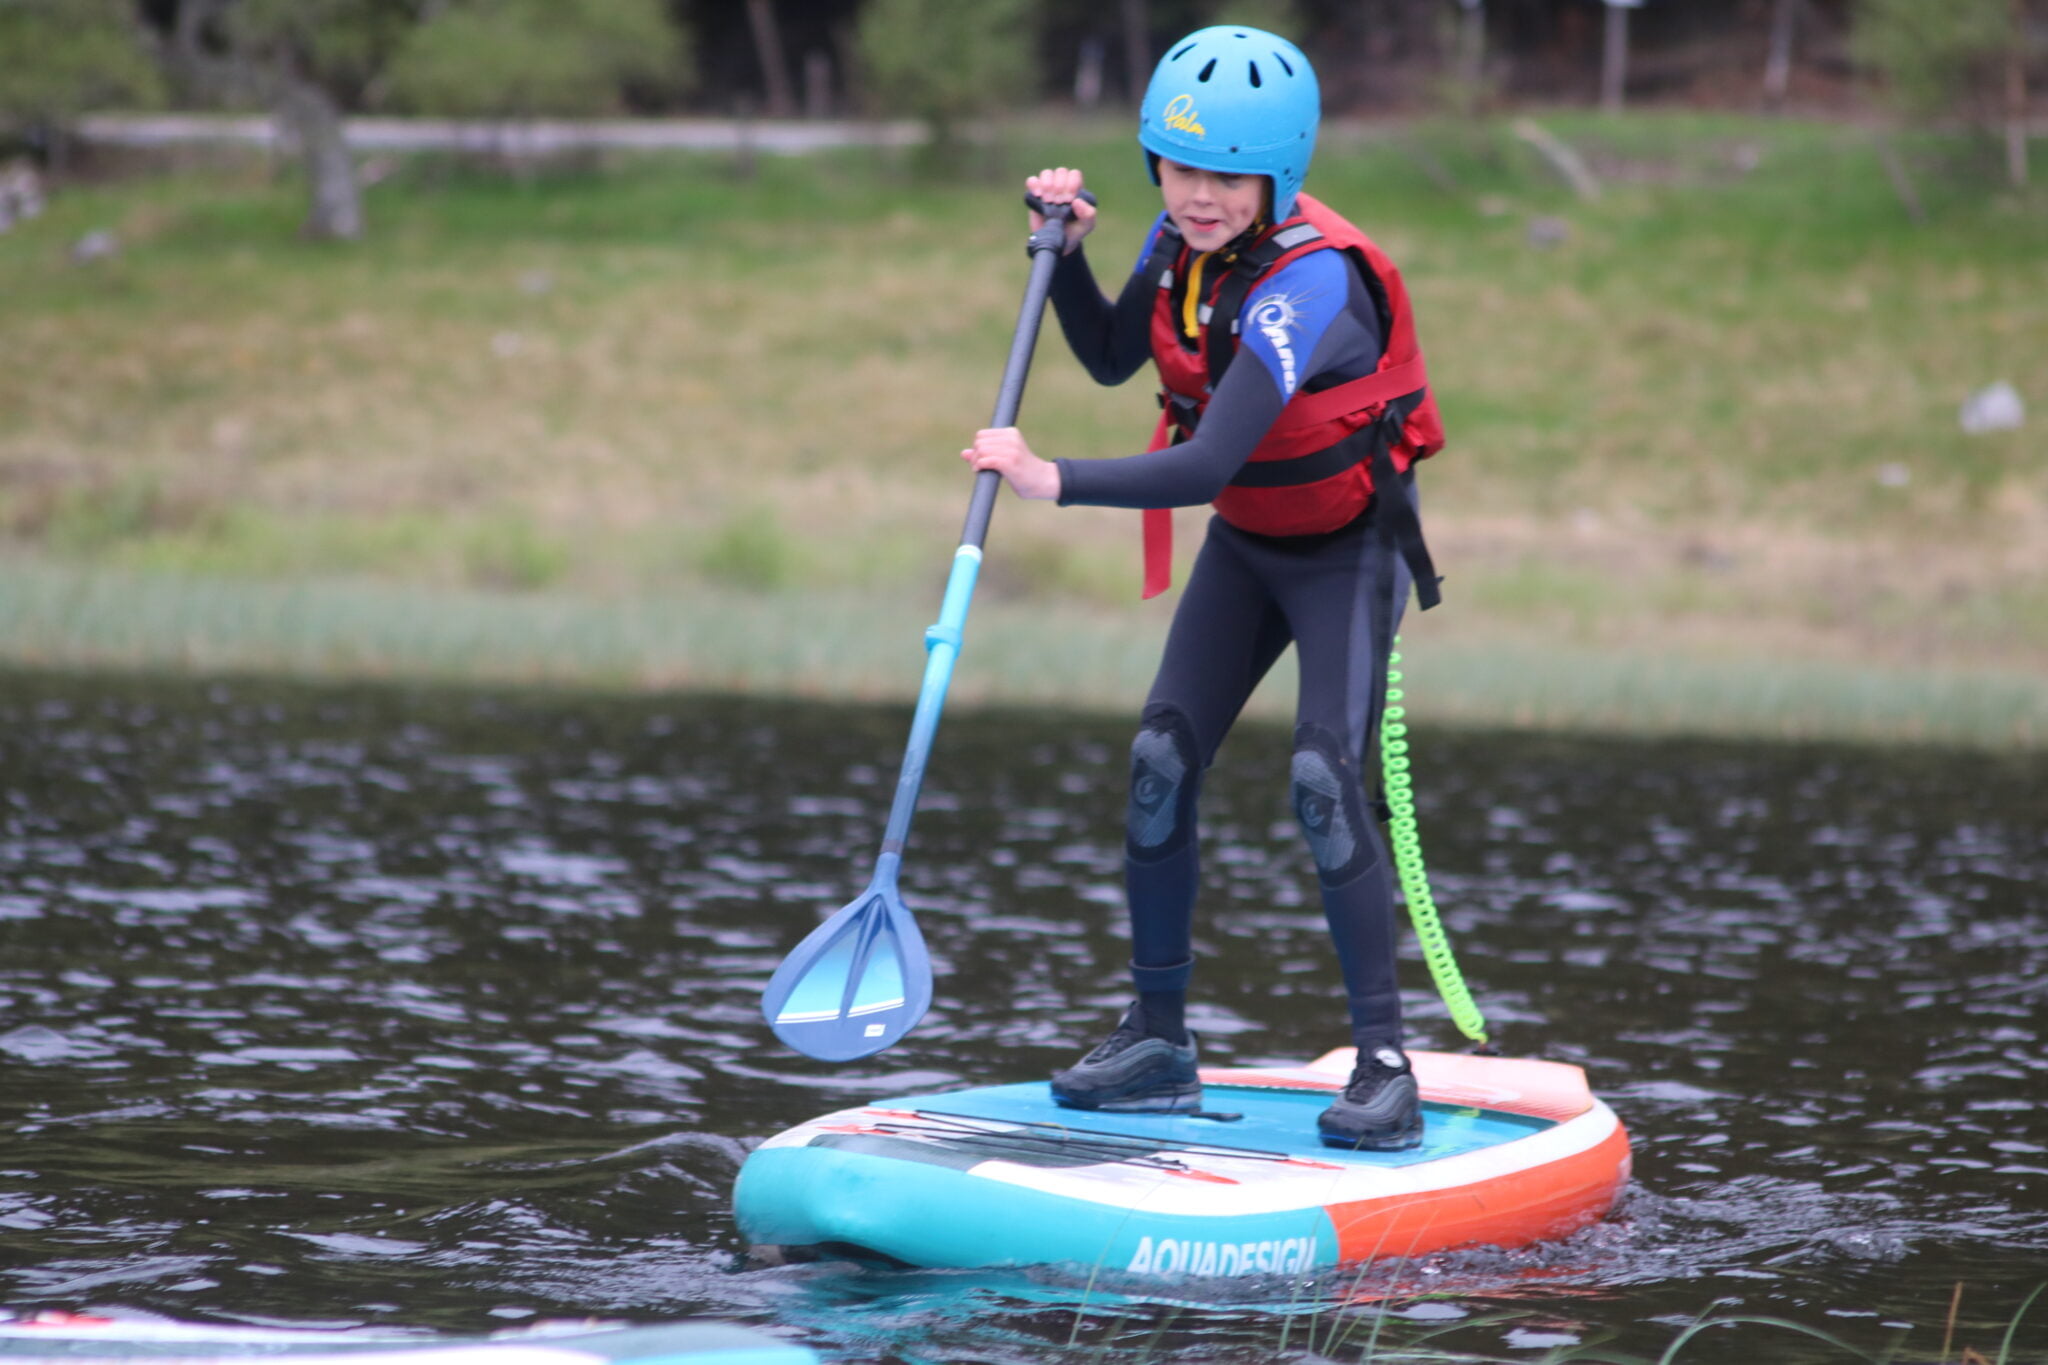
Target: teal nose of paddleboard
(857, 1199)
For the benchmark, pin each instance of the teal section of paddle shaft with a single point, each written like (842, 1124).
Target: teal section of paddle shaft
(862, 979)
(942, 650)
(821, 1000)
(858, 982)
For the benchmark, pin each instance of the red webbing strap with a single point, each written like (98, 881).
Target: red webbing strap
(1327, 405)
(1158, 522)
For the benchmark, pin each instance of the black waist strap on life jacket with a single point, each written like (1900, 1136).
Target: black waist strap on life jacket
(1183, 414)
(1394, 511)
(1326, 463)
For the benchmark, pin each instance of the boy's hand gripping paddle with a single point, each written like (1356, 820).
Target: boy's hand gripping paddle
(862, 979)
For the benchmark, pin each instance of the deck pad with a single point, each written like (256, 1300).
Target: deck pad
(1021, 1123)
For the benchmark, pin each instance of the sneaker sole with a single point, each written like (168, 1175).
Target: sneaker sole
(1176, 1101)
(1376, 1142)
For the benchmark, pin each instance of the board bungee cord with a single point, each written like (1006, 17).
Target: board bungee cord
(1408, 865)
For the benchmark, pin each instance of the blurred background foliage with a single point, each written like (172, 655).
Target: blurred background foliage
(931, 58)
(1704, 288)
(950, 65)
(529, 57)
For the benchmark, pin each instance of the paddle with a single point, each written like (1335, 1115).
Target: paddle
(862, 979)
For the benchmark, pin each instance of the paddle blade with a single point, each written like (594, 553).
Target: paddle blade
(856, 984)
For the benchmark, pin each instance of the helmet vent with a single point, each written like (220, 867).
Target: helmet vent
(1203, 74)
(1256, 82)
(1186, 48)
(1283, 63)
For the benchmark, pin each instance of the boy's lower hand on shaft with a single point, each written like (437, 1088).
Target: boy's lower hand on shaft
(1003, 450)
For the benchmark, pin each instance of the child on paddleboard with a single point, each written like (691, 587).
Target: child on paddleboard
(1294, 401)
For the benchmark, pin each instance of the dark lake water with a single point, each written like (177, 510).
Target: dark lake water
(439, 1009)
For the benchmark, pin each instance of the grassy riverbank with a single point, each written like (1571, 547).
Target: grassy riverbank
(657, 423)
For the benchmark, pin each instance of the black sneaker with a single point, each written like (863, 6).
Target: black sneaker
(1131, 1072)
(1380, 1110)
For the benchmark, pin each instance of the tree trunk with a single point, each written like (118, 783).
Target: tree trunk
(1614, 58)
(1778, 66)
(2016, 98)
(817, 84)
(302, 109)
(768, 45)
(1137, 48)
(335, 209)
(1088, 73)
(1379, 29)
(1902, 179)
(1472, 46)
(56, 144)
(1462, 46)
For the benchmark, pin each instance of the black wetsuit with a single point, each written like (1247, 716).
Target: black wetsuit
(1336, 596)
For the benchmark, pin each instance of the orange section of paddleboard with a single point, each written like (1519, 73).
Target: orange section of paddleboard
(1509, 1210)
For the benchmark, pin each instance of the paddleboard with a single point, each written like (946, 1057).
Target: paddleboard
(1514, 1151)
(80, 1339)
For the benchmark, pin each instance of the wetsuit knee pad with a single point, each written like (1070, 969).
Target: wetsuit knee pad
(1330, 806)
(1165, 776)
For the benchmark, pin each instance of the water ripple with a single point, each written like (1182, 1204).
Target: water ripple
(440, 1009)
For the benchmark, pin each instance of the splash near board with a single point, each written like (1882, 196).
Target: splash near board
(82, 1338)
(1514, 1151)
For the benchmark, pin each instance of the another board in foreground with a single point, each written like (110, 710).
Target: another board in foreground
(1514, 1151)
(83, 1339)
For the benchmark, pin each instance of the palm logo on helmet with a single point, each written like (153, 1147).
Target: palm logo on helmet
(1237, 101)
(1180, 116)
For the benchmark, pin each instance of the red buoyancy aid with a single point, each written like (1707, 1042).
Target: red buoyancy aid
(1290, 485)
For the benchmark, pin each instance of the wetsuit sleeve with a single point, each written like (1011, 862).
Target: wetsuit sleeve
(1312, 325)
(1112, 341)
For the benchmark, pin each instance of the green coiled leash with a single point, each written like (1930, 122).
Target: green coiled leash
(1407, 845)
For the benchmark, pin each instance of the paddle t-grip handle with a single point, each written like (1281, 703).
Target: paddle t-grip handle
(1037, 205)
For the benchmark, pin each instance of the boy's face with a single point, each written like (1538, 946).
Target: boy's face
(1208, 207)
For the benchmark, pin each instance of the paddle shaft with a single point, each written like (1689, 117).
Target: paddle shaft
(942, 641)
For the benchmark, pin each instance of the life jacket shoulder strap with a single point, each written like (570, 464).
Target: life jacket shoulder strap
(1165, 256)
(1255, 263)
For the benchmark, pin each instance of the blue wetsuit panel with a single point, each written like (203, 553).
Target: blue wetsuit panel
(1284, 320)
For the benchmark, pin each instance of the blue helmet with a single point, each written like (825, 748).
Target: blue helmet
(1239, 101)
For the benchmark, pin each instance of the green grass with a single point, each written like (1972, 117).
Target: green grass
(1676, 434)
(1018, 652)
